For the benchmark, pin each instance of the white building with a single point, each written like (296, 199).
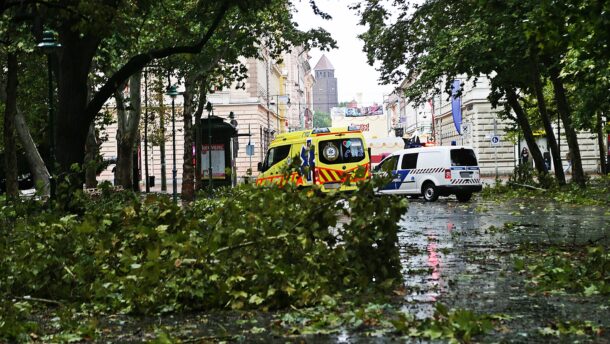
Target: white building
(480, 124)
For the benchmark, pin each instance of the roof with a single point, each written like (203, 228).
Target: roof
(324, 64)
(301, 135)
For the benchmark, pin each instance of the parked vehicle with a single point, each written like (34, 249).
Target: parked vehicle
(432, 172)
(327, 156)
(383, 147)
(24, 178)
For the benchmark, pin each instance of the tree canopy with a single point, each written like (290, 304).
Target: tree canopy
(105, 42)
(516, 44)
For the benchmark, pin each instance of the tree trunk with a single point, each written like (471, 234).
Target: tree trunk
(188, 187)
(200, 106)
(578, 175)
(528, 134)
(136, 162)
(135, 95)
(35, 161)
(10, 150)
(74, 65)
(91, 154)
(128, 120)
(162, 137)
(548, 128)
(599, 127)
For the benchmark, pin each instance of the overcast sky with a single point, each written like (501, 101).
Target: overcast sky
(356, 79)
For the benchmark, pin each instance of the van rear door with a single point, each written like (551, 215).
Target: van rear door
(464, 166)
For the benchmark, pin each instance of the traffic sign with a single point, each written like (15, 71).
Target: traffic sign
(495, 140)
(250, 149)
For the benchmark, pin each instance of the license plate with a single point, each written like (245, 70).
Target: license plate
(466, 174)
(332, 185)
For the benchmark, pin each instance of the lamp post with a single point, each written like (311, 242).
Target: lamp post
(234, 147)
(209, 108)
(49, 45)
(277, 106)
(146, 179)
(172, 92)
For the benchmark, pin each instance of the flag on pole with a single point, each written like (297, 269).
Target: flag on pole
(432, 108)
(456, 105)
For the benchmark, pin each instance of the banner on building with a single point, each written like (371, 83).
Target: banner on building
(373, 110)
(456, 105)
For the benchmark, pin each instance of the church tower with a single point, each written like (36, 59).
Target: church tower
(325, 93)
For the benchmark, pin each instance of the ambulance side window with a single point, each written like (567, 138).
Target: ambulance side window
(275, 155)
(409, 161)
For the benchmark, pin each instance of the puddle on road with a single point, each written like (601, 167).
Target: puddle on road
(459, 255)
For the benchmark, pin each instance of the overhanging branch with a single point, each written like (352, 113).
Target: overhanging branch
(140, 61)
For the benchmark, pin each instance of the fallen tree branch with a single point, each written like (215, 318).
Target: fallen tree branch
(527, 186)
(38, 299)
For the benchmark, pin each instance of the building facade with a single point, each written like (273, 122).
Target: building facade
(277, 97)
(481, 127)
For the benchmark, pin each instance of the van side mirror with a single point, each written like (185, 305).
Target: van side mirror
(260, 166)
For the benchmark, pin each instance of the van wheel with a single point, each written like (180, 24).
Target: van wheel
(429, 192)
(463, 197)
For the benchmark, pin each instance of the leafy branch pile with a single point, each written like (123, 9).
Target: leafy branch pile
(456, 325)
(583, 270)
(595, 193)
(262, 248)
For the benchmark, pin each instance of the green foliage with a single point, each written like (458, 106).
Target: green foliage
(582, 270)
(321, 120)
(248, 248)
(457, 325)
(14, 322)
(566, 328)
(595, 193)
(331, 317)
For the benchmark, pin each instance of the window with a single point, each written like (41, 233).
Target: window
(275, 155)
(463, 157)
(388, 165)
(341, 151)
(409, 161)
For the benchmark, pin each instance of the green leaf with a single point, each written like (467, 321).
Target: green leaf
(256, 300)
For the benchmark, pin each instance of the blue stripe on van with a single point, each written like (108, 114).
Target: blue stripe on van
(399, 177)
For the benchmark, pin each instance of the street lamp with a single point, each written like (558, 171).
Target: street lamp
(209, 109)
(277, 105)
(173, 93)
(234, 147)
(49, 45)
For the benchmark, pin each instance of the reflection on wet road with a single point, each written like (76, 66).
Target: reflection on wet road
(458, 254)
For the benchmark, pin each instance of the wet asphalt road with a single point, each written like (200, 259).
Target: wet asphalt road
(460, 254)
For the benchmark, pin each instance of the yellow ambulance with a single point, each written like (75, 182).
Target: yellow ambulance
(325, 157)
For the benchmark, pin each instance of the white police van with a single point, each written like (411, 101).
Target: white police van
(432, 172)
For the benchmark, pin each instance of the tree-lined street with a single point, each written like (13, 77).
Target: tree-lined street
(211, 259)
